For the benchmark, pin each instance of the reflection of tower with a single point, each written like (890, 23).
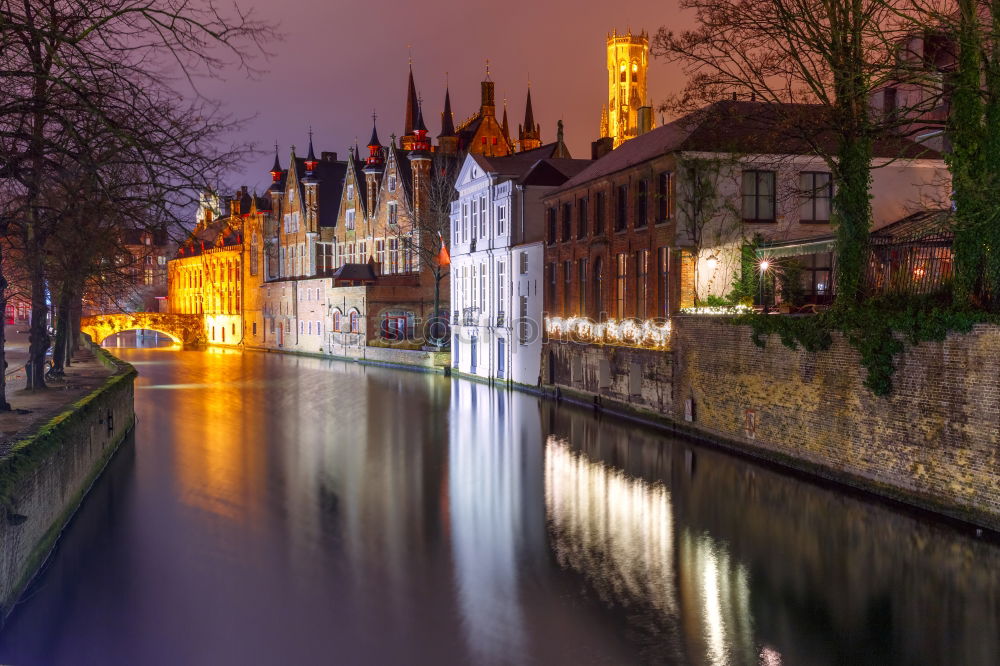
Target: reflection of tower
(628, 57)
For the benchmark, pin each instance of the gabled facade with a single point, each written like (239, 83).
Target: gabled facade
(219, 266)
(497, 255)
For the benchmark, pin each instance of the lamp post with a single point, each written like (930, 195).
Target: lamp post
(764, 265)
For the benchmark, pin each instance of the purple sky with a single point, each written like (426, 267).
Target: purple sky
(339, 60)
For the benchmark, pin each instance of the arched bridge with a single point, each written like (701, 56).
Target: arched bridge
(184, 329)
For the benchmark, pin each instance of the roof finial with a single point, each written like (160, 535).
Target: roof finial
(409, 47)
(488, 69)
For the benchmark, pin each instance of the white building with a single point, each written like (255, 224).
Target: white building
(497, 231)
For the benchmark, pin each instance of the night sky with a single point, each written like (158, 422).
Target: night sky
(339, 60)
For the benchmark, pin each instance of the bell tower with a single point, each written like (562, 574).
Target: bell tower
(628, 58)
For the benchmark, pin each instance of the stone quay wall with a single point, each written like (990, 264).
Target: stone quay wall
(46, 475)
(934, 442)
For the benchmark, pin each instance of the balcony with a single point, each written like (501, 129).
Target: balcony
(470, 316)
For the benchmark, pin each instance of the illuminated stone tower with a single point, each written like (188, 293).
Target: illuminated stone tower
(628, 58)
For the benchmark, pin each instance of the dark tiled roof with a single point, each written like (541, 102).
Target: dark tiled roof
(355, 272)
(516, 164)
(750, 128)
(405, 172)
(926, 227)
(329, 176)
(553, 172)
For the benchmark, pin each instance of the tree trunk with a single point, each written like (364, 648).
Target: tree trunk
(964, 159)
(4, 405)
(62, 331)
(38, 335)
(853, 206)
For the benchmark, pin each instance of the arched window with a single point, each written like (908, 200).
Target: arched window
(336, 321)
(254, 254)
(355, 322)
(621, 72)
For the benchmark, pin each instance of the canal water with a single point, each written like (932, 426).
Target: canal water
(282, 510)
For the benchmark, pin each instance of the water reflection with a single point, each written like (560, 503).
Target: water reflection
(495, 486)
(294, 510)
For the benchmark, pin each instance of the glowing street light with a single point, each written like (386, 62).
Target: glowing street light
(764, 265)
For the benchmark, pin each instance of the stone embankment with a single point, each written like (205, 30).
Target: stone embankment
(46, 470)
(933, 443)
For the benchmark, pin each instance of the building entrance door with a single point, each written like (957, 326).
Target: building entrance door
(472, 354)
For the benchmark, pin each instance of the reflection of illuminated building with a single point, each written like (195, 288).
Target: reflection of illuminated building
(684, 592)
(615, 530)
(494, 490)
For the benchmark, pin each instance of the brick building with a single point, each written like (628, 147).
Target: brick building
(218, 265)
(661, 221)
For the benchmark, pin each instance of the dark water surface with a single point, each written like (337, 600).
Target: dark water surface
(283, 510)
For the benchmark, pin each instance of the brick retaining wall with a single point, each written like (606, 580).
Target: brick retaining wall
(934, 442)
(43, 480)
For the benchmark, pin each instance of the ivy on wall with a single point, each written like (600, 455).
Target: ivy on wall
(879, 329)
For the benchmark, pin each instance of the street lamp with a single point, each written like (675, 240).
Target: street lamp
(764, 265)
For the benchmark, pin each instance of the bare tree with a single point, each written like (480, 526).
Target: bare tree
(110, 62)
(427, 237)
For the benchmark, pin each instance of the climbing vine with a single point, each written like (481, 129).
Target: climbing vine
(879, 329)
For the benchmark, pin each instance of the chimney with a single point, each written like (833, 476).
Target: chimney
(601, 147)
(644, 120)
(328, 156)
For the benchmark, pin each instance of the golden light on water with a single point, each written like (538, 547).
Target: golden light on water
(616, 530)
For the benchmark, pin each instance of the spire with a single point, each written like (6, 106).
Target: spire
(504, 125)
(530, 134)
(529, 116)
(373, 142)
(276, 167)
(419, 126)
(447, 119)
(411, 105)
(311, 161)
(374, 159)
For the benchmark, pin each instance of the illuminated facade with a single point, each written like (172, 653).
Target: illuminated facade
(662, 221)
(496, 234)
(628, 60)
(209, 275)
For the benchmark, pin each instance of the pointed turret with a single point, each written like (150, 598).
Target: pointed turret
(447, 139)
(529, 134)
(421, 147)
(411, 105)
(311, 161)
(276, 169)
(412, 110)
(375, 159)
(504, 125)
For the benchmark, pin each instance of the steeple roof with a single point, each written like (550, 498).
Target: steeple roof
(447, 119)
(374, 140)
(311, 157)
(277, 164)
(504, 125)
(419, 126)
(412, 109)
(529, 116)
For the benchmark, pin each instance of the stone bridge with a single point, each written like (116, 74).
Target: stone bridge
(184, 329)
